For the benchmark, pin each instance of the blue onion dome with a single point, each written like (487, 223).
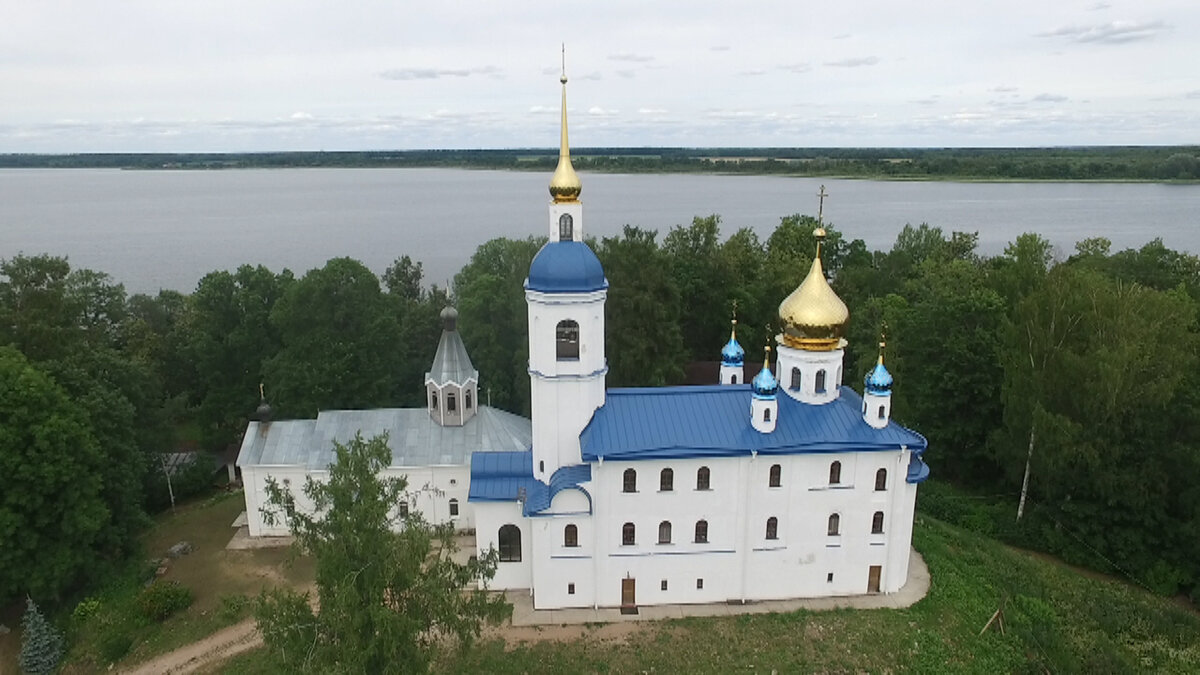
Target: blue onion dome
(732, 353)
(566, 267)
(879, 380)
(764, 384)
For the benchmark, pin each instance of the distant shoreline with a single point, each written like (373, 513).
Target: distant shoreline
(1115, 164)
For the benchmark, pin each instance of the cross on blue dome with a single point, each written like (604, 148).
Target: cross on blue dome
(879, 380)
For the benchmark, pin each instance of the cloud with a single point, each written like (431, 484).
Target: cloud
(594, 75)
(1049, 98)
(301, 116)
(601, 112)
(652, 111)
(633, 58)
(1195, 93)
(1003, 89)
(719, 48)
(797, 67)
(854, 62)
(841, 36)
(1112, 33)
(435, 73)
(755, 72)
(1099, 6)
(926, 101)
(627, 74)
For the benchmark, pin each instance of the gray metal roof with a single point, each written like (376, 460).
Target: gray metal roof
(415, 439)
(451, 362)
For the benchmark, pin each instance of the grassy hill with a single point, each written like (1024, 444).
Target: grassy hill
(1056, 619)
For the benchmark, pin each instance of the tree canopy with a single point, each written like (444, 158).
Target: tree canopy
(389, 593)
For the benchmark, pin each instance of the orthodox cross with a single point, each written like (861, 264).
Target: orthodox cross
(822, 194)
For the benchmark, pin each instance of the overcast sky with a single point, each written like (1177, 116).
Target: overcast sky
(246, 75)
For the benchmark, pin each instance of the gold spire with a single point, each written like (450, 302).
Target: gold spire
(564, 184)
(814, 317)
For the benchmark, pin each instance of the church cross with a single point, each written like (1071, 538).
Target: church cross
(822, 194)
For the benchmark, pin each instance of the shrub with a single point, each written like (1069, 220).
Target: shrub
(233, 606)
(86, 609)
(114, 645)
(162, 599)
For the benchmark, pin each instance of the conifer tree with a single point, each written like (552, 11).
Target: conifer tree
(41, 643)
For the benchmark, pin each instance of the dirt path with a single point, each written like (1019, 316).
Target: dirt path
(224, 644)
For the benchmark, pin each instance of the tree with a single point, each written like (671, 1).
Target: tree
(229, 336)
(41, 643)
(643, 342)
(493, 318)
(340, 337)
(693, 256)
(54, 516)
(386, 599)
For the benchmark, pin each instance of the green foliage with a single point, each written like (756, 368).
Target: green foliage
(493, 319)
(161, 599)
(339, 333)
(50, 528)
(234, 606)
(193, 477)
(114, 645)
(86, 609)
(41, 643)
(387, 600)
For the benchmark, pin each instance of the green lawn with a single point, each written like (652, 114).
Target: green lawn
(1056, 620)
(221, 582)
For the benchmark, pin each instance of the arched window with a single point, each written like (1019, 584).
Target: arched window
(820, 382)
(628, 535)
(450, 403)
(877, 523)
(510, 543)
(733, 380)
(701, 531)
(567, 340)
(666, 480)
(664, 532)
(772, 528)
(881, 480)
(766, 414)
(881, 415)
(702, 477)
(571, 535)
(467, 399)
(835, 524)
(835, 473)
(795, 379)
(453, 508)
(629, 481)
(565, 227)
(775, 478)
(433, 401)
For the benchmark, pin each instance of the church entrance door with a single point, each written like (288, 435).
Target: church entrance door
(873, 578)
(628, 596)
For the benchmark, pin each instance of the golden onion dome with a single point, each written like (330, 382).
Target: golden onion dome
(564, 184)
(813, 316)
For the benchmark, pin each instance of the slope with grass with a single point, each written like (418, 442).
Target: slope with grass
(1055, 620)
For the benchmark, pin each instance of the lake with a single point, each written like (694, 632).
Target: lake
(166, 229)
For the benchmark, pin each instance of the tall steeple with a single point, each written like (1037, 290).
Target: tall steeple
(564, 184)
(733, 356)
(565, 294)
(877, 393)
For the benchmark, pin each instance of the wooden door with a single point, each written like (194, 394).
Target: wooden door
(873, 578)
(628, 597)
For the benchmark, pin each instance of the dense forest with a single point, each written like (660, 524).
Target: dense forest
(1084, 368)
(1115, 163)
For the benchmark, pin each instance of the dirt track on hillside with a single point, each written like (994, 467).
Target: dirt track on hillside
(224, 644)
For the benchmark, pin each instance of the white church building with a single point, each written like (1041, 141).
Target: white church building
(789, 485)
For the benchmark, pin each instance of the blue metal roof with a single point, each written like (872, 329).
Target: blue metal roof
(714, 421)
(918, 470)
(500, 476)
(566, 267)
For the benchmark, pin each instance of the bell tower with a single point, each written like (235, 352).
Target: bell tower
(565, 294)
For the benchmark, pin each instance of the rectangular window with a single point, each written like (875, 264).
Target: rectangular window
(699, 584)
(829, 577)
(664, 584)
(570, 589)
(450, 405)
